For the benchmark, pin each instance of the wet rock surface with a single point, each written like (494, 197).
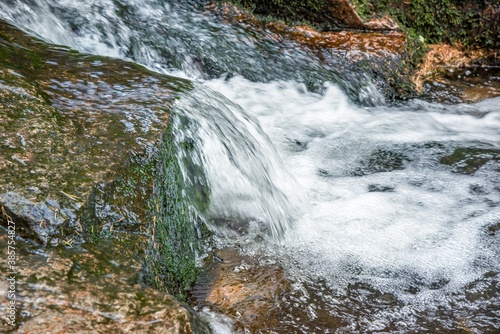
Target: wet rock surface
(376, 55)
(69, 121)
(468, 160)
(84, 141)
(329, 15)
(374, 43)
(453, 75)
(85, 290)
(243, 289)
(352, 44)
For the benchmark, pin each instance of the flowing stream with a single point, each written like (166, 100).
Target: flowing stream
(371, 209)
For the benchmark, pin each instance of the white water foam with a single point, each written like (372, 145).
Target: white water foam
(424, 228)
(244, 172)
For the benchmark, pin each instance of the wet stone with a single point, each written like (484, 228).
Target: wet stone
(34, 220)
(468, 160)
(243, 289)
(380, 188)
(85, 291)
(69, 123)
(381, 160)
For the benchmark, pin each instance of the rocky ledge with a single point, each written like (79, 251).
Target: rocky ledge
(84, 290)
(87, 161)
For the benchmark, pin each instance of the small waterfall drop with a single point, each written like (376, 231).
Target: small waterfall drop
(226, 152)
(373, 205)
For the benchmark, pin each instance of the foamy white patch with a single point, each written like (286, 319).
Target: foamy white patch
(219, 323)
(246, 176)
(415, 222)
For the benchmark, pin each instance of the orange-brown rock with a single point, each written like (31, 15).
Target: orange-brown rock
(86, 291)
(353, 45)
(247, 291)
(454, 69)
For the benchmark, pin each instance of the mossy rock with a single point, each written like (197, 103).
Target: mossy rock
(470, 23)
(70, 121)
(86, 143)
(468, 160)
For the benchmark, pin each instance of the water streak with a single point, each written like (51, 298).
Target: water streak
(238, 163)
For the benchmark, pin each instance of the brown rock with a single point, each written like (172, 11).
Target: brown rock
(345, 12)
(69, 122)
(352, 45)
(458, 74)
(84, 291)
(247, 291)
(384, 23)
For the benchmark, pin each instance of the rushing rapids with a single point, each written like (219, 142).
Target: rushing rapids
(385, 217)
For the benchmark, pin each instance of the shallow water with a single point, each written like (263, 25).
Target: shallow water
(384, 216)
(307, 165)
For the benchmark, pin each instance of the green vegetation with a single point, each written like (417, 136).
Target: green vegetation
(470, 23)
(363, 7)
(150, 196)
(171, 264)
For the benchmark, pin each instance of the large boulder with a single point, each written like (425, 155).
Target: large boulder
(87, 156)
(93, 290)
(68, 122)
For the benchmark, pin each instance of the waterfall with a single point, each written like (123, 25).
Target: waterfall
(384, 216)
(227, 152)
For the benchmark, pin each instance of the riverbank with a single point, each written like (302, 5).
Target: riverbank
(412, 50)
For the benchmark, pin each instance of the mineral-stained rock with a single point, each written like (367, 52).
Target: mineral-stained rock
(69, 122)
(245, 290)
(454, 74)
(83, 291)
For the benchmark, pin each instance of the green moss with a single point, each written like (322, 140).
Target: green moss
(171, 261)
(150, 195)
(468, 160)
(363, 7)
(471, 23)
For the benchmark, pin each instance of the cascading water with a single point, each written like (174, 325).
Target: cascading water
(247, 180)
(374, 225)
(383, 212)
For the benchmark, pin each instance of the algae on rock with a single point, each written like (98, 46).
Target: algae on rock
(86, 143)
(171, 261)
(70, 121)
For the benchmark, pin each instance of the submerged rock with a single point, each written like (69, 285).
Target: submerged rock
(468, 160)
(381, 160)
(243, 289)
